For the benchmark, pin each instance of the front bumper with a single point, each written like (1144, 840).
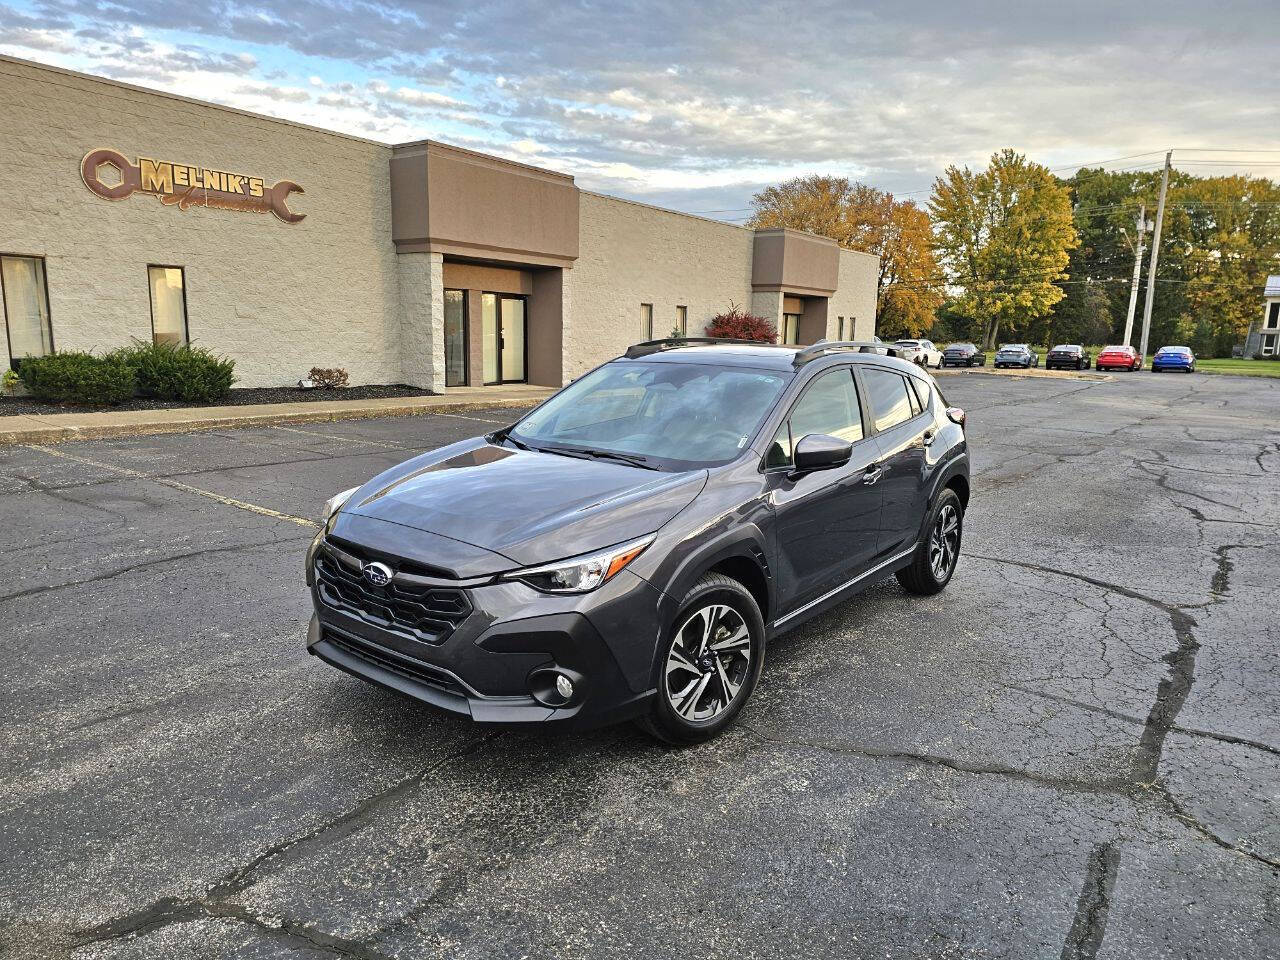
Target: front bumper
(498, 664)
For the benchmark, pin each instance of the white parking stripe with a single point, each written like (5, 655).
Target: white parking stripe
(177, 485)
(390, 445)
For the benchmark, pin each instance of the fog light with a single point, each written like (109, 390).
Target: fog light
(564, 687)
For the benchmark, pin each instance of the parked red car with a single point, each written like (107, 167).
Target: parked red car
(1118, 358)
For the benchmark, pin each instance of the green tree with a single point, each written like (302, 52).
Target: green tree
(1004, 235)
(863, 218)
(1221, 239)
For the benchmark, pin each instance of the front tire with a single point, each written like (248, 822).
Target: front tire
(708, 664)
(935, 558)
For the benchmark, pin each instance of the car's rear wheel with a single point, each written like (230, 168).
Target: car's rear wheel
(935, 557)
(709, 664)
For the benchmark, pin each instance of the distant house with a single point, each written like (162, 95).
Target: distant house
(1264, 338)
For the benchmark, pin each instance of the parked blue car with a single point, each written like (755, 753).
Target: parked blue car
(1174, 358)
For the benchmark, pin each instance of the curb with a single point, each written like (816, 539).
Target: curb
(51, 433)
(1025, 374)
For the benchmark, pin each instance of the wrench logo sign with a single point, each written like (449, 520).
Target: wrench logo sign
(110, 175)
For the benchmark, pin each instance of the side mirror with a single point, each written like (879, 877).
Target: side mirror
(818, 451)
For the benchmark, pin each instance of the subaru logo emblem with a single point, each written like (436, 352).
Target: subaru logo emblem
(379, 574)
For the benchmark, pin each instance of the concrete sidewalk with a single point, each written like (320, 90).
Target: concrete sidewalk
(57, 427)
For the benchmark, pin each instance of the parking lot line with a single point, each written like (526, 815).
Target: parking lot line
(178, 485)
(389, 445)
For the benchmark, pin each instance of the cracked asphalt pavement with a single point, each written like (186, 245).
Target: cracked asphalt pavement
(1073, 752)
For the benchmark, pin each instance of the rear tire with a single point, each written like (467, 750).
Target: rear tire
(702, 679)
(926, 575)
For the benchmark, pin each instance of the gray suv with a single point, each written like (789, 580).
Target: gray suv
(627, 549)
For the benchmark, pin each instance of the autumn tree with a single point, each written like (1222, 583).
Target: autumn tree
(863, 218)
(1004, 235)
(1221, 239)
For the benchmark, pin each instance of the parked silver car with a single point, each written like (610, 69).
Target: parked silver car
(1017, 355)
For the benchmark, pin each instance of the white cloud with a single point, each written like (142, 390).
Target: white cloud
(718, 96)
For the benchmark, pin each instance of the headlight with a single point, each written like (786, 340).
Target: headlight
(582, 574)
(334, 503)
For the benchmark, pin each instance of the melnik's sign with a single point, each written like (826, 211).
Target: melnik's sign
(183, 186)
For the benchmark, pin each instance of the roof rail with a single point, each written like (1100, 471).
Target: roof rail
(672, 343)
(823, 347)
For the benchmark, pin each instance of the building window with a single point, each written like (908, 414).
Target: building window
(646, 321)
(839, 328)
(1273, 316)
(1269, 344)
(168, 305)
(682, 320)
(791, 328)
(455, 338)
(26, 308)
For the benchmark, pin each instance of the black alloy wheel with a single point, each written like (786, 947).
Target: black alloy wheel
(935, 558)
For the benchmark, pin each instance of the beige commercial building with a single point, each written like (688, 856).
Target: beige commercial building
(127, 213)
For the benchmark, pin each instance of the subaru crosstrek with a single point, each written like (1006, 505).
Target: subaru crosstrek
(629, 547)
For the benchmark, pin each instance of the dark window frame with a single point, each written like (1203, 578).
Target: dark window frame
(466, 339)
(48, 307)
(151, 300)
(867, 433)
(861, 369)
(646, 321)
(499, 297)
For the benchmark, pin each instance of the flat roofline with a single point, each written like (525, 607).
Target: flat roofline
(153, 92)
(427, 143)
(676, 213)
(791, 231)
(476, 156)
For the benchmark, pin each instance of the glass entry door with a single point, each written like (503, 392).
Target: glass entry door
(503, 338)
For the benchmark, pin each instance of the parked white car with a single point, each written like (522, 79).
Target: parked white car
(921, 352)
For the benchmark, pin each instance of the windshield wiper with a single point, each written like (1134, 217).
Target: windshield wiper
(505, 434)
(634, 459)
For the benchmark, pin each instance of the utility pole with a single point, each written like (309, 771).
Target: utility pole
(1137, 275)
(1155, 256)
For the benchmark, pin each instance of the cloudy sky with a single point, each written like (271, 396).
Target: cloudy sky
(696, 105)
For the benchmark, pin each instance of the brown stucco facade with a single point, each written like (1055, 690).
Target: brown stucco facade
(420, 263)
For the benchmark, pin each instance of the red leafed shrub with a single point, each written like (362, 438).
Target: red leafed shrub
(737, 324)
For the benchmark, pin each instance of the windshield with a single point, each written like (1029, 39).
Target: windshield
(1014, 346)
(1067, 346)
(962, 346)
(677, 416)
(906, 343)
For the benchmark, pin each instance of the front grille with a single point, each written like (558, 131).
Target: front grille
(426, 613)
(421, 672)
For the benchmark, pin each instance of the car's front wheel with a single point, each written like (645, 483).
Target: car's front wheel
(935, 557)
(709, 663)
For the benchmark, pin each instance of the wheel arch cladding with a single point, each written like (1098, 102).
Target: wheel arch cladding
(960, 484)
(748, 571)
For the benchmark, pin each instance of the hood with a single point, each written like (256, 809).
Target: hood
(527, 506)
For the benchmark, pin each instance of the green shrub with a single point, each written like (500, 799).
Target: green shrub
(76, 377)
(170, 371)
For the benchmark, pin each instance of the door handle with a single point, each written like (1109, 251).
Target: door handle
(872, 474)
(929, 436)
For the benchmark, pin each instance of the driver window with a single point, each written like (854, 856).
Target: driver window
(829, 406)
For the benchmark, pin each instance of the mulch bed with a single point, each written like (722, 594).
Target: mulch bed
(13, 406)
